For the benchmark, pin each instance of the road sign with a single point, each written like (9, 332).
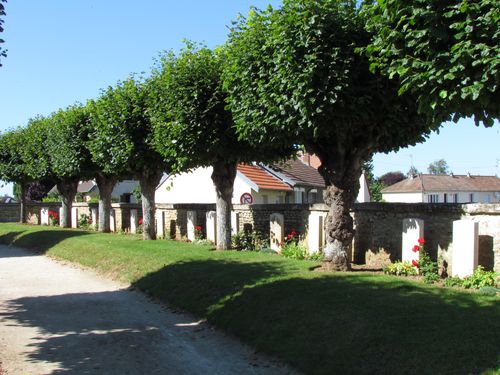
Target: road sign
(246, 198)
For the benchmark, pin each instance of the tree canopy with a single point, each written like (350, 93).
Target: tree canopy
(446, 52)
(296, 75)
(438, 167)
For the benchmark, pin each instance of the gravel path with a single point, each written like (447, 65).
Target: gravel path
(57, 319)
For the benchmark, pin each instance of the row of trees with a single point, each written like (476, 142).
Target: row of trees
(314, 73)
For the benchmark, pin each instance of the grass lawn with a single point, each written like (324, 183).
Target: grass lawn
(321, 323)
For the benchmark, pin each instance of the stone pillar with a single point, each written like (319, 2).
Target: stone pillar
(191, 223)
(112, 220)
(74, 217)
(94, 213)
(160, 224)
(276, 233)
(235, 222)
(315, 233)
(212, 226)
(465, 248)
(44, 216)
(134, 220)
(413, 229)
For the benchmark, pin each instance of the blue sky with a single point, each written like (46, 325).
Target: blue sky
(61, 52)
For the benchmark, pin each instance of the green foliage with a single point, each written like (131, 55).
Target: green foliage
(438, 167)
(247, 241)
(84, 221)
(294, 76)
(445, 52)
(479, 279)
(294, 250)
(121, 132)
(400, 269)
(66, 140)
(427, 267)
(453, 281)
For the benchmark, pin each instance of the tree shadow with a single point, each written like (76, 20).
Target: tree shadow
(340, 323)
(198, 286)
(39, 241)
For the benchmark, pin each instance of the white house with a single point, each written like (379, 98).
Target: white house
(122, 191)
(428, 188)
(291, 182)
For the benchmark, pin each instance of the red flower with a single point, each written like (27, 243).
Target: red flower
(139, 221)
(421, 241)
(198, 227)
(415, 263)
(416, 248)
(290, 236)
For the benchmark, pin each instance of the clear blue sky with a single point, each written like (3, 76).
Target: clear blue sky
(64, 51)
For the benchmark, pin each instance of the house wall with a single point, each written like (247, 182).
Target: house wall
(463, 197)
(125, 187)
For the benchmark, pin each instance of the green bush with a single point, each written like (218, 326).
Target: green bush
(247, 241)
(400, 269)
(479, 279)
(427, 267)
(294, 251)
(453, 281)
(84, 221)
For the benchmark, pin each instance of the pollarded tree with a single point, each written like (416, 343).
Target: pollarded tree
(193, 128)
(121, 142)
(12, 166)
(445, 52)
(295, 76)
(70, 161)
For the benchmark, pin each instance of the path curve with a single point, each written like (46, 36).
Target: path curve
(57, 319)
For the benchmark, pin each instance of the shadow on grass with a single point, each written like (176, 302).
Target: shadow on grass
(39, 241)
(343, 323)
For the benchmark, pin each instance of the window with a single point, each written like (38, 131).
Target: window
(471, 197)
(454, 198)
(445, 198)
(433, 198)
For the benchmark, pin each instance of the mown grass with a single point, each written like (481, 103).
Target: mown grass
(320, 323)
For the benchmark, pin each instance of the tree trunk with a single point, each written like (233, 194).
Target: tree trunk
(68, 189)
(105, 184)
(148, 183)
(342, 186)
(22, 202)
(223, 177)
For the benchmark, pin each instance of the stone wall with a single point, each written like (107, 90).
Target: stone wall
(378, 225)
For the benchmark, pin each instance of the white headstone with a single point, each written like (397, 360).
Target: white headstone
(74, 217)
(160, 223)
(235, 222)
(60, 216)
(413, 229)
(44, 216)
(134, 220)
(315, 232)
(276, 231)
(212, 226)
(465, 247)
(94, 212)
(112, 221)
(191, 224)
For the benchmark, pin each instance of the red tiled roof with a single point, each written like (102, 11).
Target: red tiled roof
(262, 178)
(429, 182)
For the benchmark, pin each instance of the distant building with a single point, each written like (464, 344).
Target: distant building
(7, 199)
(290, 182)
(122, 192)
(428, 188)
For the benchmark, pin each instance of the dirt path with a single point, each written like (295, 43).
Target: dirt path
(57, 319)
